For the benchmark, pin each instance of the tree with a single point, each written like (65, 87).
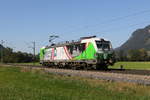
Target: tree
(121, 56)
(138, 55)
(143, 54)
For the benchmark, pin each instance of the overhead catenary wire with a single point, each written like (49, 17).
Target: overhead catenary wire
(106, 22)
(118, 27)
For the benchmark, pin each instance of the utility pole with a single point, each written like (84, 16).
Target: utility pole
(33, 48)
(2, 42)
(33, 52)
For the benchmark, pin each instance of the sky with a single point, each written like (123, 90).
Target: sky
(25, 21)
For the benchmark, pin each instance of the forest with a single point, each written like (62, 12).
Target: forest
(7, 55)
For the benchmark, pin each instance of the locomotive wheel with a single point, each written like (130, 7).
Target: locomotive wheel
(74, 67)
(101, 67)
(85, 66)
(60, 66)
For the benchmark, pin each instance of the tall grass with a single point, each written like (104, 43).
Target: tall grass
(23, 84)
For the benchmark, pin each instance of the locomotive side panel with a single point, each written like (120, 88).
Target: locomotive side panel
(61, 53)
(48, 54)
(88, 53)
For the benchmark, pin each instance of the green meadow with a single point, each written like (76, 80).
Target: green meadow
(132, 65)
(30, 84)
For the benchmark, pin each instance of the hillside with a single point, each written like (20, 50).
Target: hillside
(139, 39)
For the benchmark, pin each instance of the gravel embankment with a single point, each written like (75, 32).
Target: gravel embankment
(139, 79)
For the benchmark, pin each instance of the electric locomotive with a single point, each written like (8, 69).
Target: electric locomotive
(87, 53)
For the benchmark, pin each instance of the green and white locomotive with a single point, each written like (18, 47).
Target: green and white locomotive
(87, 53)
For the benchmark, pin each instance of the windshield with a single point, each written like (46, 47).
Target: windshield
(104, 45)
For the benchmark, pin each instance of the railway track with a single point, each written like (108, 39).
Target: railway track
(111, 70)
(119, 75)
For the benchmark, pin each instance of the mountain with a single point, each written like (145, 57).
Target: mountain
(138, 40)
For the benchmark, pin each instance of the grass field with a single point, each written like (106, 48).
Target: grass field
(133, 65)
(23, 84)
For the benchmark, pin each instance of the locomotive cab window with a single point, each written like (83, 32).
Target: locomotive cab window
(103, 45)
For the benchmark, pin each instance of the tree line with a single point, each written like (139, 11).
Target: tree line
(133, 55)
(9, 56)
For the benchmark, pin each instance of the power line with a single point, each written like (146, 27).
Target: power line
(118, 28)
(111, 20)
